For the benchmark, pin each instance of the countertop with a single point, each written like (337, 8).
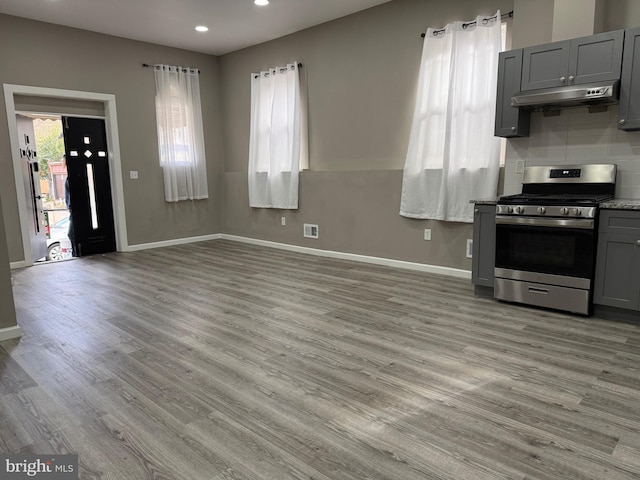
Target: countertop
(621, 204)
(486, 201)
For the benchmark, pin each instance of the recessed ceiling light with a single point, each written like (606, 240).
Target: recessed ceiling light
(202, 28)
(261, 2)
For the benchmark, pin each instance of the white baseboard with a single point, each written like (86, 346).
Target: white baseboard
(10, 332)
(147, 246)
(171, 243)
(388, 262)
(421, 267)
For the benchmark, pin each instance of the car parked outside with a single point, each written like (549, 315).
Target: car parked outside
(58, 244)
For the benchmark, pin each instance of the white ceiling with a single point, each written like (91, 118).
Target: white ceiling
(233, 24)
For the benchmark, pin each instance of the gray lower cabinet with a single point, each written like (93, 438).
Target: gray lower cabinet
(510, 121)
(596, 58)
(629, 110)
(484, 245)
(617, 279)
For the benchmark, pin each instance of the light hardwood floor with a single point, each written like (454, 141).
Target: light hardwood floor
(219, 360)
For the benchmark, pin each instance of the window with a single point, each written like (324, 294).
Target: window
(277, 144)
(453, 155)
(180, 133)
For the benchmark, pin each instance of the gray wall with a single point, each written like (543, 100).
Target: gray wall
(46, 55)
(621, 14)
(360, 74)
(532, 22)
(357, 212)
(7, 307)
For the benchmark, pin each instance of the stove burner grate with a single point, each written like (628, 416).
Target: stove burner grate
(550, 199)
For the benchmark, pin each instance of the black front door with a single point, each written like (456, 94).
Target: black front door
(91, 207)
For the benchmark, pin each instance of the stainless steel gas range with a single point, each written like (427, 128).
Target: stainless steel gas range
(546, 237)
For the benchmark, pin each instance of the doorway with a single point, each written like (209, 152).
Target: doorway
(112, 157)
(65, 158)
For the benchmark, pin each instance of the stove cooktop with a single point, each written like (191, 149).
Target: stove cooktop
(554, 199)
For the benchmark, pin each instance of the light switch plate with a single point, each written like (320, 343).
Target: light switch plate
(133, 174)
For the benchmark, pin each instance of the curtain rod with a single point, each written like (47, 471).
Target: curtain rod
(146, 65)
(465, 25)
(281, 68)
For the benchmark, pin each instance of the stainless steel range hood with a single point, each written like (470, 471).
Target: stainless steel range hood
(601, 93)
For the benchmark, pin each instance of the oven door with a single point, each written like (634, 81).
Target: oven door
(553, 246)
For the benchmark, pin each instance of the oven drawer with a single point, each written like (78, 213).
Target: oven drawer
(542, 295)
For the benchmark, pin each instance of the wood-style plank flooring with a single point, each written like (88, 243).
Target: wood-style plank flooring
(219, 360)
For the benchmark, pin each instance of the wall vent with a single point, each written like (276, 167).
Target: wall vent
(310, 231)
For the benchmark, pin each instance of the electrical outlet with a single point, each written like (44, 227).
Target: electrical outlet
(427, 234)
(519, 166)
(283, 221)
(310, 231)
(469, 248)
(133, 174)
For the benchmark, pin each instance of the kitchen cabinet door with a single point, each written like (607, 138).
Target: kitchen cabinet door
(596, 58)
(629, 110)
(510, 121)
(617, 282)
(484, 245)
(545, 66)
(617, 279)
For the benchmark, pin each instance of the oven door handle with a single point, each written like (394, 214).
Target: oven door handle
(581, 223)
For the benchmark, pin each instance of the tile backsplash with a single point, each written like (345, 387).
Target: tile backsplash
(577, 137)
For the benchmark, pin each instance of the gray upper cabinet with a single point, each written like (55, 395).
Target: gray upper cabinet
(617, 279)
(596, 58)
(484, 245)
(629, 111)
(545, 66)
(510, 121)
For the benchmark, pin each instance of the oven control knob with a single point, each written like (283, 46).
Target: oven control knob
(519, 209)
(564, 211)
(542, 210)
(576, 211)
(509, 209)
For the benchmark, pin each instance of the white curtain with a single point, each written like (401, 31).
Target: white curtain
(453, 156)
(275, 142)
(180, 133)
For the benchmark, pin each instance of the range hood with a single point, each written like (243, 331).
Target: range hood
(591, 94)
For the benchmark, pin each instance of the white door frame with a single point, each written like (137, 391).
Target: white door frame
(113, 144)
